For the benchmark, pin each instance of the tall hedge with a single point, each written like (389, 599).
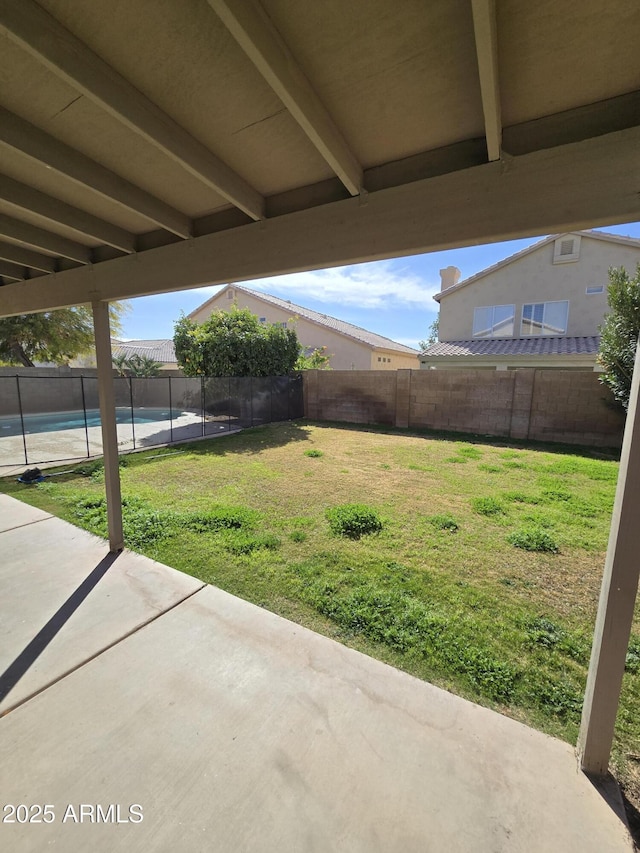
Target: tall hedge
(234, 343)
(619, 332)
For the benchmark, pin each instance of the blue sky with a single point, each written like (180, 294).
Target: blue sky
(393, 298)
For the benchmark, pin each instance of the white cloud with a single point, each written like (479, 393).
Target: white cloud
(372, 285)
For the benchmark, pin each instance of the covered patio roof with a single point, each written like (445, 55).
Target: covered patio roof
(149, 147)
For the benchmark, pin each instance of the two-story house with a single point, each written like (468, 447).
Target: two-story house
(541, 307)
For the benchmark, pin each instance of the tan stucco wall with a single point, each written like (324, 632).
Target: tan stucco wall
(346, 353)
(395, 360)
(535, 278)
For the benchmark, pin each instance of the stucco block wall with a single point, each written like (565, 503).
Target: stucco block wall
(541, 405)
(535, 278)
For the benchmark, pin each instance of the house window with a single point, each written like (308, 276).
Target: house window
(544, 318)
(566, 249)
(263, 319)
(379, 359)
(231, 293)
(494, 321)
(596, 288)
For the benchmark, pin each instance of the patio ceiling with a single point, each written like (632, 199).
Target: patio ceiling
(151, 146)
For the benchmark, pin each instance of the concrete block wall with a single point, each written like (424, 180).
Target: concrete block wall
(461, 401)
(573, 407)
(566, 406)
(354, 396)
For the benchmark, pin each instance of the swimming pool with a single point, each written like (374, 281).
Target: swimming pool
(55, 421)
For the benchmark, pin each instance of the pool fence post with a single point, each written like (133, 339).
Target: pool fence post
(24, 437)
(617, 600)
(84, 411)
(170, 412)
(106, 396)
(133, 420)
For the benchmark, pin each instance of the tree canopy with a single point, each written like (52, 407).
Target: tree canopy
(432, 334)
(136, 365)
(619, 332)
(234, 343)
(316, 359)
(55, 336)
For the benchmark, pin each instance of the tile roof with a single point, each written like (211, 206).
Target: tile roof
(371, 338)
(158, 350)
(587, 345)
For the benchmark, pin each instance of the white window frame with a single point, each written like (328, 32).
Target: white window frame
(543, 334)
(493, 307)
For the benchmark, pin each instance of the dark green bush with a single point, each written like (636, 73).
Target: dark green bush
(632, 662)
(353, 520)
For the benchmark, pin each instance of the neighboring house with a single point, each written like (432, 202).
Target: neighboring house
(161, 351)
(349, 346)
(541, 307)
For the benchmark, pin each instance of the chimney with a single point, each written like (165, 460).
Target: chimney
(449, 277)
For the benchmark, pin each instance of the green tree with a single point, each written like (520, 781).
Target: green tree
(136, 365)
(619, 332)
(234, 343)
(143, 365)
(315, 360)
(120, 362)
(56, 336)
(432, 334)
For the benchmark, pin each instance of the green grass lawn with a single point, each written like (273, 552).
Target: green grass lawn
(483, 578)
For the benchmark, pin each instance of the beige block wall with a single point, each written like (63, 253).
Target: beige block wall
(538, 405)
(535, 278)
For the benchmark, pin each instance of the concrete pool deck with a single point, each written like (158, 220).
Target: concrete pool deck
(58, 446)
(69, 447)
(127, 683)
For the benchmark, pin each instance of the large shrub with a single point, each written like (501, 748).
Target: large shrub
(619, 333)
(234, 343)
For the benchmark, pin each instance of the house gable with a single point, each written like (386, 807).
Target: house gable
(555, 287)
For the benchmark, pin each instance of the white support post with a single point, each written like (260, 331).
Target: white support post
(617, 601)
(106, 395)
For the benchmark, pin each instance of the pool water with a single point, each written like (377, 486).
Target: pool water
(55, 421)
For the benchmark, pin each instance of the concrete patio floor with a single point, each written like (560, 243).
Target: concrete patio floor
(128, 683)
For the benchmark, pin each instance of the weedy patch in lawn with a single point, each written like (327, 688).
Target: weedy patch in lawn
(444, 522)
(534, 539)
(353, 520)
(487, 506)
